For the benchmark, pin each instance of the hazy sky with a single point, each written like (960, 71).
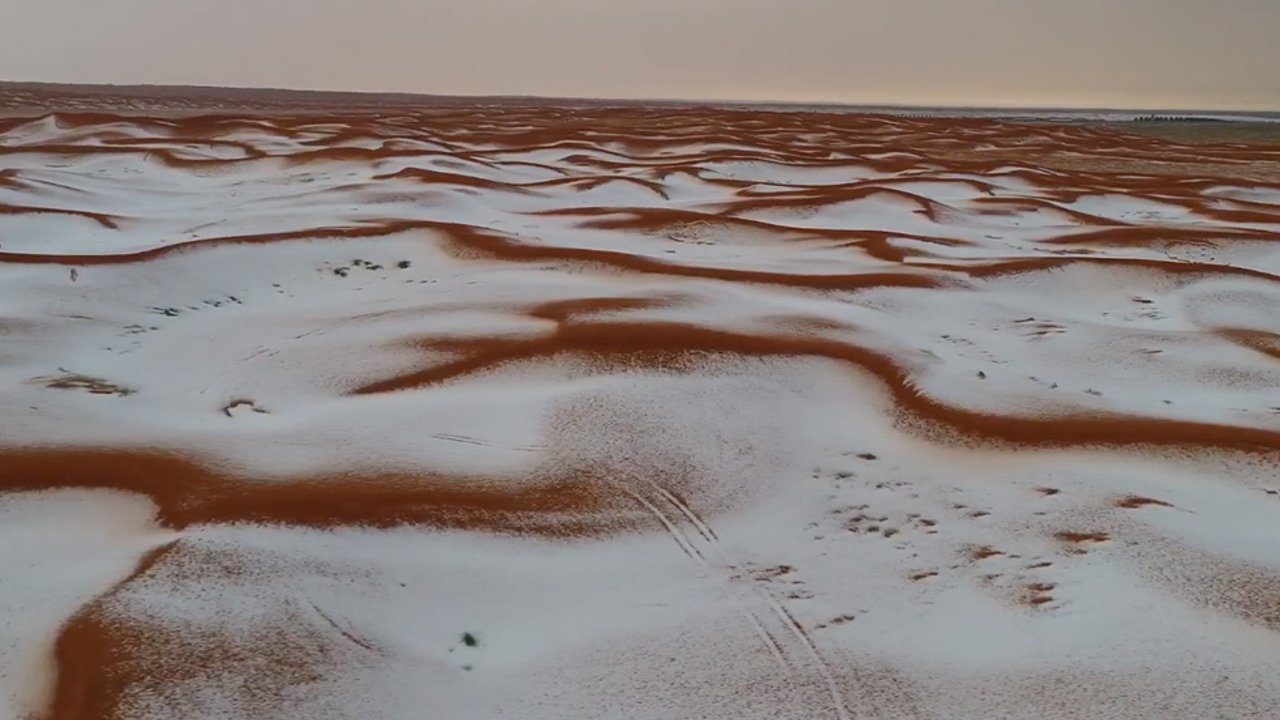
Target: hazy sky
(1114, 53)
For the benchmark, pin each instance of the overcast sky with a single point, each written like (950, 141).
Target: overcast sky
(1112, 53)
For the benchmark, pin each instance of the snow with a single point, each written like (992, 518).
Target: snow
(59, 550)
(790, 535)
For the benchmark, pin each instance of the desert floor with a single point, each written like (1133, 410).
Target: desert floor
(521, 410)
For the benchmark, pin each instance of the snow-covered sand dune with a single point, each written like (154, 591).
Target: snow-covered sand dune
(537, 412)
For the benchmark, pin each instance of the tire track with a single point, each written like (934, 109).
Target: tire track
(686, 546)
(752, 594)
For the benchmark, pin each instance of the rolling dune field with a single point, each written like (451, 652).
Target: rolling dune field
(518, 410)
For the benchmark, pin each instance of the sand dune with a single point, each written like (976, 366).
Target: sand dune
(529, 411)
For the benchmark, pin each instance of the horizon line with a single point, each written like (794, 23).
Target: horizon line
(906, 106)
